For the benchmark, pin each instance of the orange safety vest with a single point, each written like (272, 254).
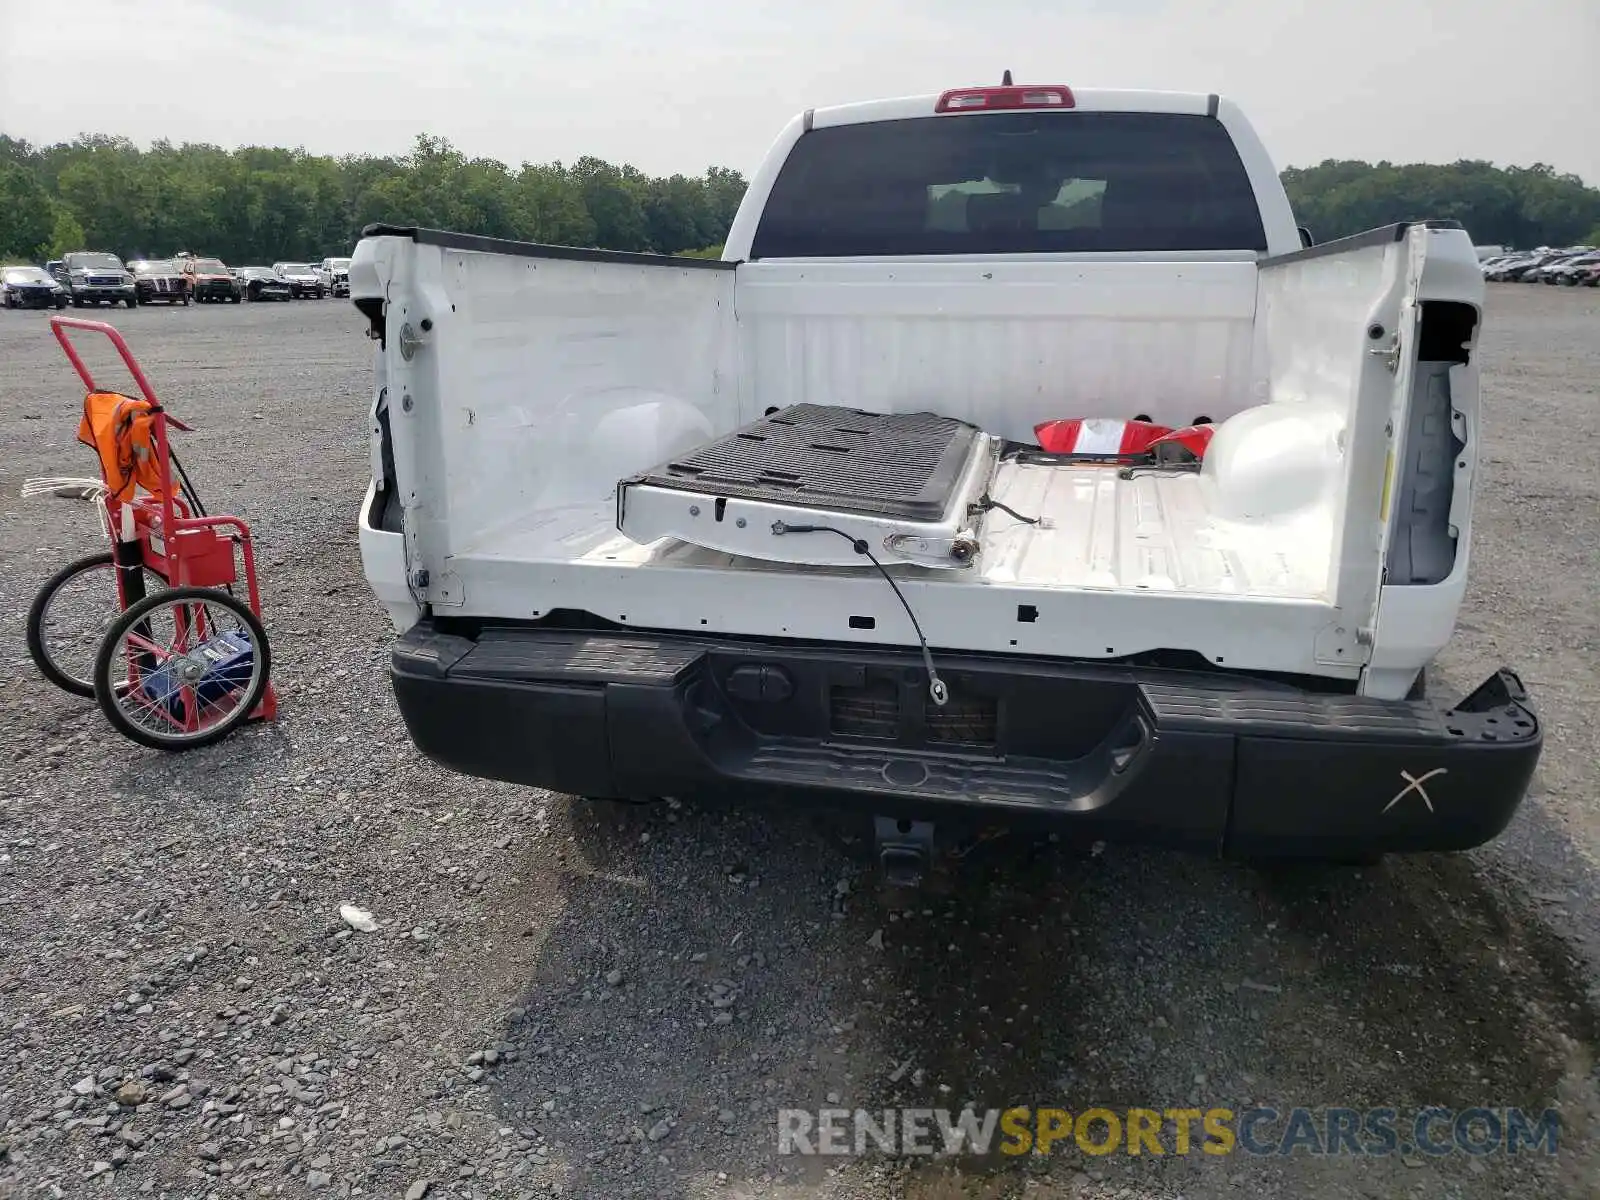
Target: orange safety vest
(121, 430)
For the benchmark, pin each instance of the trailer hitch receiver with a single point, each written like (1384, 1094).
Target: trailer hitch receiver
(904, 849)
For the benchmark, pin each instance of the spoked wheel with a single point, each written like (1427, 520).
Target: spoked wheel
(182, 668)
(70, 616)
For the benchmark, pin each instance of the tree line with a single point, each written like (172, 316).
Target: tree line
(261, 204)
(258, 204)
(1521, 207)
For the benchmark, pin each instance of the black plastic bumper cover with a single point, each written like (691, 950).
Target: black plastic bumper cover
(1197, 759)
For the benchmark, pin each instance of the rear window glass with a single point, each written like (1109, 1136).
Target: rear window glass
(1011, 183)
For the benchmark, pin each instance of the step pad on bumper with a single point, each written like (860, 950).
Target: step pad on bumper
(1333, 716)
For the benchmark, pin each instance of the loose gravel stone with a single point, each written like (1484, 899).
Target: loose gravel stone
(358, 919)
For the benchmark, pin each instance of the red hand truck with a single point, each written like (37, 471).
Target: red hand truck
(183, 662)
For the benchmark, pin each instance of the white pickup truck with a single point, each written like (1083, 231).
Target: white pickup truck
(786, 525)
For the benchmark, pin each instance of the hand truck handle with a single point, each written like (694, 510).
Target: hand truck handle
(59, 327)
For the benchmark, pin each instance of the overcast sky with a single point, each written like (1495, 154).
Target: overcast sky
(679, 87)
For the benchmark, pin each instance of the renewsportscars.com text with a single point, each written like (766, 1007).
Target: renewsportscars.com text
(1433, 1131)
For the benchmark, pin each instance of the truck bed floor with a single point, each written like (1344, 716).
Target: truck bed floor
(1151, 533)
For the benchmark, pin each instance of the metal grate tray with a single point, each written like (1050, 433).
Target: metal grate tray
(904, 465)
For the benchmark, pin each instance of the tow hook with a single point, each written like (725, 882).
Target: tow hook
(904, 849)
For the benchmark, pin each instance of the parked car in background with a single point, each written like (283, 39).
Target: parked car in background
(1569, 271)
(302, 279)
(24, 286)
(1528, 272)
(338, 270)
(1517, 269)
(211, 281)
(261, 284)
(95, 277)
(1589, 276)
(1540, 272)
(159, 279)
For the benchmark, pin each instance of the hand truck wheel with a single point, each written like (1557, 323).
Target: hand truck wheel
(62, 640)
(182, 669)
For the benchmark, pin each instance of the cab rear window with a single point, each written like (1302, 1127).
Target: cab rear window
(1008, 183)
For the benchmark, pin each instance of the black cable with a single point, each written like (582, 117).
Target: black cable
(187, 488)
(185, 485)
(1160, 468)
(985, 503)
(1033, 456)
(936, 686)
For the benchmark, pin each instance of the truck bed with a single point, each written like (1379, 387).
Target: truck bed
(1052, 524)
(501, 502)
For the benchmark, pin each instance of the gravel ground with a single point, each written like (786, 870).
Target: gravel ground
(569, 999)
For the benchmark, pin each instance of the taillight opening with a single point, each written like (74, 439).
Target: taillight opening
(995, 99)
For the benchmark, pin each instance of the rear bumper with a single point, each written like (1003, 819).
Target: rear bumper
(1188, 759)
